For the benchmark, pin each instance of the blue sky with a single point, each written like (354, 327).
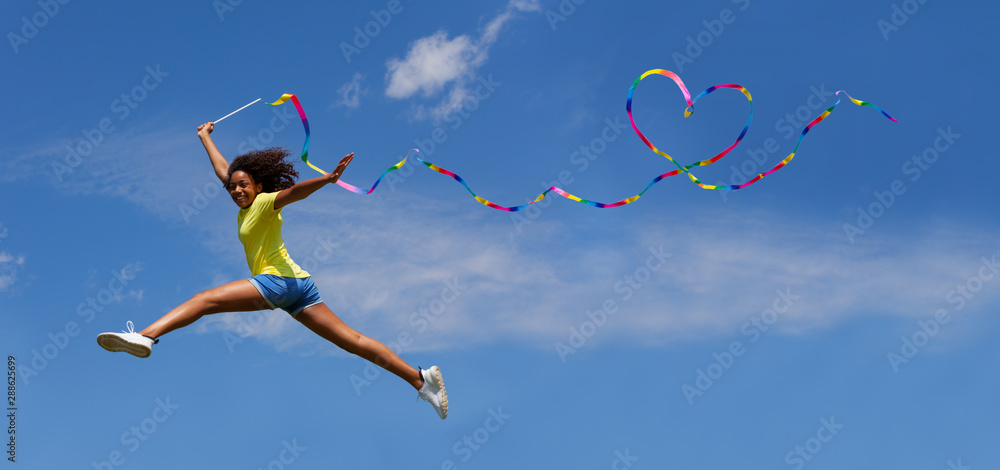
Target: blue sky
(837, 313)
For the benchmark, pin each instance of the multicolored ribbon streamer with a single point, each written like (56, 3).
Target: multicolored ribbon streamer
(628, 107)
(305, 148)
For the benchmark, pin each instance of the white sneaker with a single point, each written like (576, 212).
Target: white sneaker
(128, 341)
(433, 391)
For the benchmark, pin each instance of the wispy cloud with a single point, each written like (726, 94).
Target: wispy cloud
(532, 287)
(351, 93)
(98, 279)
(10, 265)
(437, 63)
(131, 164)
(379, 278)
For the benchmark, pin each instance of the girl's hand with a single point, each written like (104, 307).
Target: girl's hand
(205, 129)
(333, 177)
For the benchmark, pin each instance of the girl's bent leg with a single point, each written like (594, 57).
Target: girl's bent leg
(321, 320)
(237, 296)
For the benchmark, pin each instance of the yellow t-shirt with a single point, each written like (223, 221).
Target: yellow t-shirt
(260, 233)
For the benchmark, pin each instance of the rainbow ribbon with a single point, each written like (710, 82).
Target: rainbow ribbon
(628, 107)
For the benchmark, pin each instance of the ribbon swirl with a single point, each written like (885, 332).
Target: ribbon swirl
(628, 107)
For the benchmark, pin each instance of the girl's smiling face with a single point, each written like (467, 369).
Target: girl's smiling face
(243, 189)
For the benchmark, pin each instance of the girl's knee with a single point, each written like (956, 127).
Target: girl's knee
(204, 302)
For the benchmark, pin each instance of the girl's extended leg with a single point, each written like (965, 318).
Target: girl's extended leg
(321, 320)
(237, 296)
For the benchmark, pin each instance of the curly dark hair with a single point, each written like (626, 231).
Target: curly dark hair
(267, 167)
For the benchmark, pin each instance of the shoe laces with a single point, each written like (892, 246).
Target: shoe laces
(131, 331)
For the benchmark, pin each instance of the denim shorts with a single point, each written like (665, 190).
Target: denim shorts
(290, 294)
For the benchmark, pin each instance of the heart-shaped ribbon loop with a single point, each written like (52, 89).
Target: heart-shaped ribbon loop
(628, 106)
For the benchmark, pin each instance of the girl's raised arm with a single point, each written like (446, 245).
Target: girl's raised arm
(303, 189)
(219, 162)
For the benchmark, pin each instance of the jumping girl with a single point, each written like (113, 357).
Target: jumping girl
(261, 183)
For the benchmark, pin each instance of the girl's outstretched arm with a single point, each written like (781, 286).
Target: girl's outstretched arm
(219, 162)
(302, 189)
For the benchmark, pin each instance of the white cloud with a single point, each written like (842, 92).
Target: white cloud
(131, 164)
(10, 265)
(436, 62)
(533, 287)
(431, 63)
(351, 93)
(274, 328)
